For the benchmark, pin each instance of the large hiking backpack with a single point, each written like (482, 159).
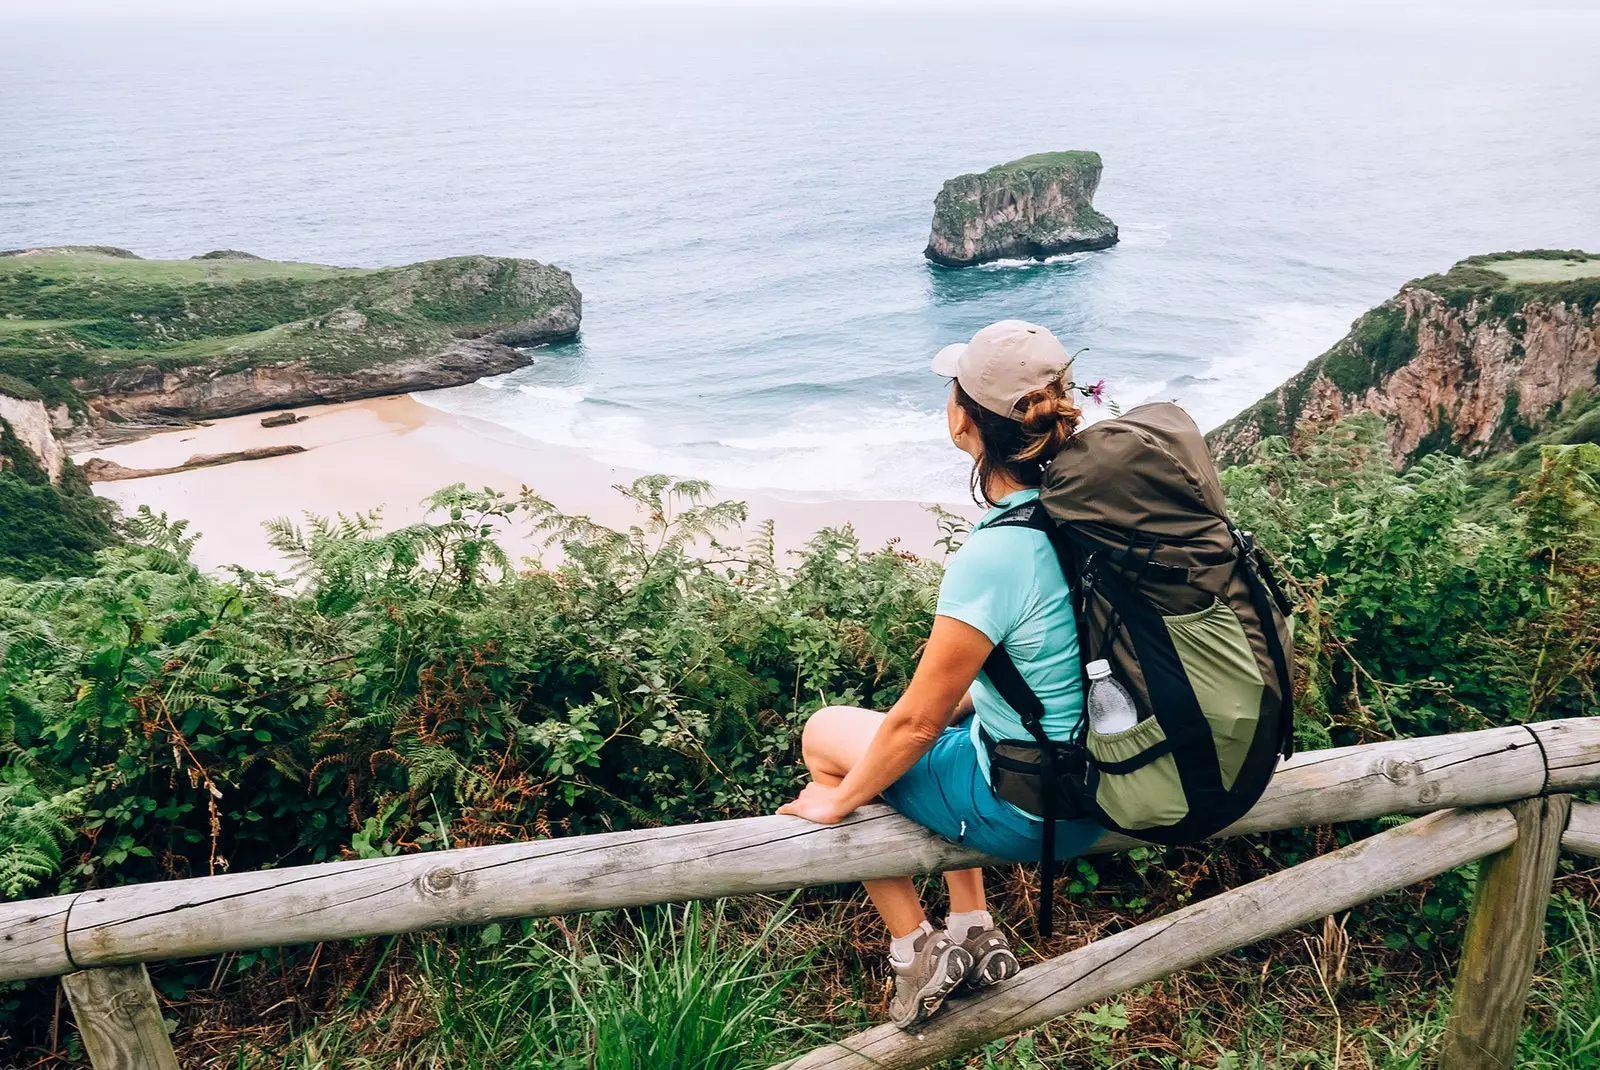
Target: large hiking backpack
(1187, 611)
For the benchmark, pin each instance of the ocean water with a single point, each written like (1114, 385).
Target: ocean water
(743, 198)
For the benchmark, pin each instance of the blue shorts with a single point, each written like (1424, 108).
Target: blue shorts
(946, 792)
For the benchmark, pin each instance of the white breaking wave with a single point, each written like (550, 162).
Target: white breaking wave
(1280, 341)
(1017, 262)
(824, 451)
(865, 448)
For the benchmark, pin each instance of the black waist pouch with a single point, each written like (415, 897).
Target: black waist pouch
(1017, 775)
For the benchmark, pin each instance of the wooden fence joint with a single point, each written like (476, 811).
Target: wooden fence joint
(1505, 930)
(119, 1019)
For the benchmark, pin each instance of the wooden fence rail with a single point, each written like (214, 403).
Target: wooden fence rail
(94, 931)
(1286, 900)
(371, 897)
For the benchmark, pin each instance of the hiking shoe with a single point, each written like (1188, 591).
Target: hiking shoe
(938, 964)
(993, 960)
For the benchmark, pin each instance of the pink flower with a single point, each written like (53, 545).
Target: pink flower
(1097, 392)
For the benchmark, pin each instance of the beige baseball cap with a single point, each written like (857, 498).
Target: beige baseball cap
(1004, 362)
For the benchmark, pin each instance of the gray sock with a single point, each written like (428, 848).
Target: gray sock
(903, 948)
(959, 925)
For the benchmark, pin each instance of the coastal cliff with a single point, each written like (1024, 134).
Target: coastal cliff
(53, 523)
(26, 419)
(1036, 207)
(110, 335)
(1473, 361)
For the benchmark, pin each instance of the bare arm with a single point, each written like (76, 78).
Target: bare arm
(938, 691)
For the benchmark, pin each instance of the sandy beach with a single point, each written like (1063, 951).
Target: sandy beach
(391, 453)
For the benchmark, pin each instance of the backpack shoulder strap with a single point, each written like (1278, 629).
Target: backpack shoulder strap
(1032, 515)
(1007, 679)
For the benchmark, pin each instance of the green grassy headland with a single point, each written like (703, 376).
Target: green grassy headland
(69, 317)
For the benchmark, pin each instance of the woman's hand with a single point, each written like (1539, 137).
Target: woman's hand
(818, 803)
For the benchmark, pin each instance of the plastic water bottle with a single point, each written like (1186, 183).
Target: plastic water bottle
(1111, 708)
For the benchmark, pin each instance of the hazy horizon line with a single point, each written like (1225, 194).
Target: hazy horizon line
(223, 9)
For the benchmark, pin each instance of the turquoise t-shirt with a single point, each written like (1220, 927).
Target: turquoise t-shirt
(1007, 583)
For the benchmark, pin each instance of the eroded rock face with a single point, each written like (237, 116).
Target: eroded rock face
(1035, 207)
(1470, 376)
(30, 421)
(202, 393)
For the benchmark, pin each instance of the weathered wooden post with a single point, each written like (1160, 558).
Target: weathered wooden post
(1504, 933)
(119, 1019)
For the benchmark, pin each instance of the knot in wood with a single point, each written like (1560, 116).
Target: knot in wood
(1399, 771)
(127, 1003)
(1430, 792)
(438, 881)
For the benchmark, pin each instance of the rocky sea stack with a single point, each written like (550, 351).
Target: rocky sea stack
(1480, 359)
(1035, 207)
(97, 332)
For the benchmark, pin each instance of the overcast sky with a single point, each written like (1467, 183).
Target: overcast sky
(365, 7)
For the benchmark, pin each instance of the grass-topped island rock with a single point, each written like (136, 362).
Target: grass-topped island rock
(1037, 206)
(104, 333)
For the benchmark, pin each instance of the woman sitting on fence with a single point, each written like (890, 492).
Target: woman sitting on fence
(1011, 409)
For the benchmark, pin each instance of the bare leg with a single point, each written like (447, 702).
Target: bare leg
(966, 890)
(835, 739)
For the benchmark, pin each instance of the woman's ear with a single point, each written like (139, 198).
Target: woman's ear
(963, 431)
(956, 417)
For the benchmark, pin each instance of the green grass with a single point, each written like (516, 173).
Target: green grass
(1042, 160)
(24, 326)
(679, 987)
(118, 269)
(719, 989)
(1529, 269)
(11, 386)
(78, 315)
(1510, 280)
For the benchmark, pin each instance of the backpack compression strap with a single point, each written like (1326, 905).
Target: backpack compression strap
(1264, 585)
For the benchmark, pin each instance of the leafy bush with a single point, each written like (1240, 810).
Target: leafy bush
(1422, 618)
(394, 684)
(47, 529)
(408, 690)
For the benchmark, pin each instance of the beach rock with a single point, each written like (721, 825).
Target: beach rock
(1471, 362)
(147, 392)
(1034, 207)
(100, 470)
(227, 254)
(280, 419)
(30, 422)
(256, 334)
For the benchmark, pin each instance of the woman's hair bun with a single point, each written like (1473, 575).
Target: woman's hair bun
(1049, 420)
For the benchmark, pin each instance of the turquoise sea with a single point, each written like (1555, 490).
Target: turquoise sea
(743, 198)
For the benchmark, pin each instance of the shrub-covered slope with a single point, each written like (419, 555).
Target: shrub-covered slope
(47, 527)
(407, 690)
(224, 334)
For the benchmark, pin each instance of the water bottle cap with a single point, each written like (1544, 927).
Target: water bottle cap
(1099, 669)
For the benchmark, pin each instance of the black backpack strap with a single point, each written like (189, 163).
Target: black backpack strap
(1264, 594)
(1007, 679)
